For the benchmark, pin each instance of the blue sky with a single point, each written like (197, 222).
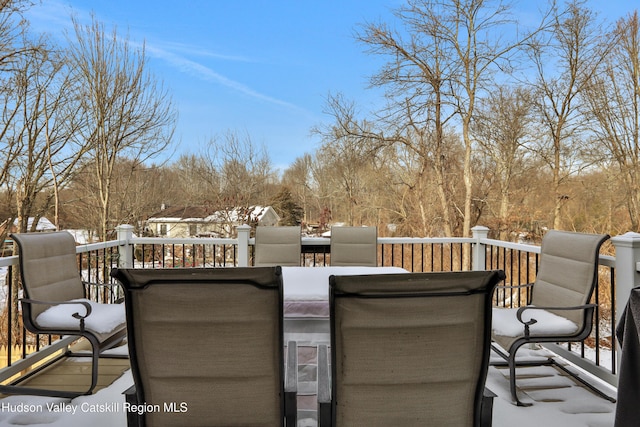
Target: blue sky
(257, 68)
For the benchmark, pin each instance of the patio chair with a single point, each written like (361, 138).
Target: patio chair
(210, 340)
(55, 302)
(277, 246)
(409, 350)
(558, 309)
(354, 246)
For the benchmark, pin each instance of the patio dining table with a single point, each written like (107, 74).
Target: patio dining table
(306, 289)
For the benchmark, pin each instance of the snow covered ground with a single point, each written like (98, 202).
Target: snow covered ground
(557, 399)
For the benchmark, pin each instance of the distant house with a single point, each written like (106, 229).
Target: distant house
(200, 221)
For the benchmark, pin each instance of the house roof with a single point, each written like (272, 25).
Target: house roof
(43, 224)
(183, 213)
(205, 214)
(237, 214)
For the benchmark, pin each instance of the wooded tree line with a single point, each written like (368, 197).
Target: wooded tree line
(485, 121)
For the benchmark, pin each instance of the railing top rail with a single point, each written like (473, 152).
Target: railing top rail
(183, 241)
(426, 240)
(605, 260)
(394, 240)
(608, 261)
(8, 261)
(511, 245)
(311, 241)
(307, 241)
(88, 247)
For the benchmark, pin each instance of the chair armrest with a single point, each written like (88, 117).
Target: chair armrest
(291, 385)
(533, 321)
(79, 316)
(547, 308)
(76, 315)
(324, 388)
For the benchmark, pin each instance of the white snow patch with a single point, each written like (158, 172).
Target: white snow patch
(103, 318)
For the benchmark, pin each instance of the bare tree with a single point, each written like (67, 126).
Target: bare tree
(503, 126)
(614, 103)
(12, 48)
(138, 190)
(198, 179)
(12, 29)
(298, 179)
(348, 159)
(565, 64)
(126, 112)
(244, 169)
(417, 77)
(425, 153)
(436, 74)
(231, 172)
(39, 136)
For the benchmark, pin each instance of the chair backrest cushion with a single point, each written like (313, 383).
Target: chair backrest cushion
(410, 349)
(49, 268)
(277, 246)
(354, 246)
(209, 337)
(568, 270)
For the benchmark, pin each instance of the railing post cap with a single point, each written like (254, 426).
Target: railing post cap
(480, 231)
(629, 239)
(244, 227)
(124, 227)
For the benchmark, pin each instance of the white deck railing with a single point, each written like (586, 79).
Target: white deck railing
(415, 254)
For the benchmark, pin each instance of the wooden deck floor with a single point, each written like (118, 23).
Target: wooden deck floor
(74, 374)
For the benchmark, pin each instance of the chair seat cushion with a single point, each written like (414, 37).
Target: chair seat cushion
(104, 318)
(505, 323)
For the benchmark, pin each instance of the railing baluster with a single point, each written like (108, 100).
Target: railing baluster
(413, 258)
(402, 255)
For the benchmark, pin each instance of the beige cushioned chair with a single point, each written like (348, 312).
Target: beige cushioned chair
(410, 349)
(211, 338)
(558, 309)
(55, 302)
(354, 246)
(277, 246)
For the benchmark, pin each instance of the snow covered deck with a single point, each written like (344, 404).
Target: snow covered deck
(558, 401)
